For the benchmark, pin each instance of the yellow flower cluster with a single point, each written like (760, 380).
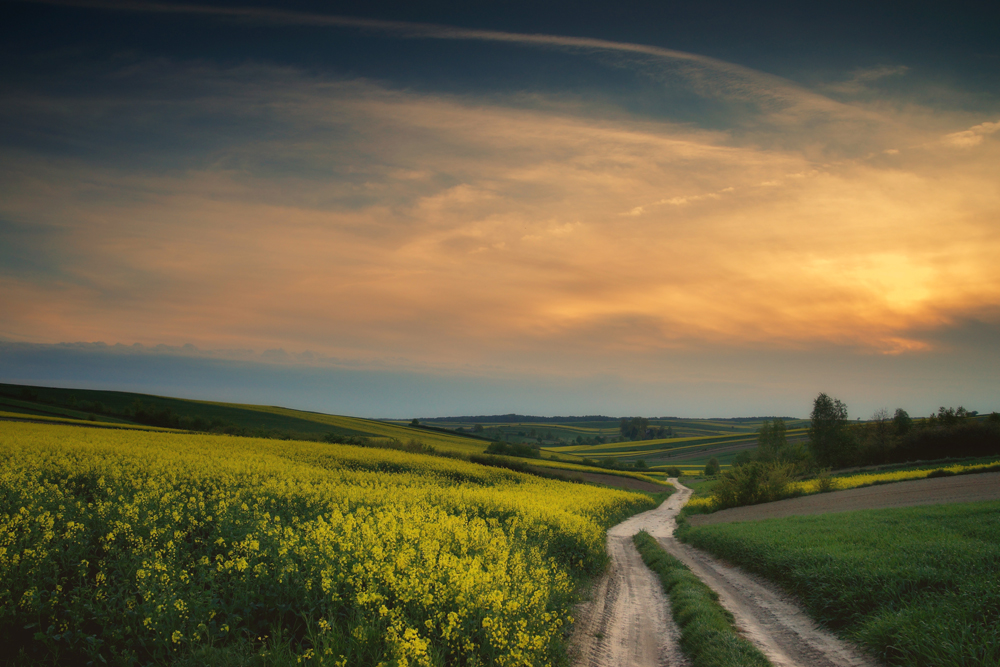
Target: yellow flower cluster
(706, 502)
(133, 545)
(867, 479)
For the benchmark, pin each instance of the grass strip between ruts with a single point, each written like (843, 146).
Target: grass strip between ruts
(708, 637)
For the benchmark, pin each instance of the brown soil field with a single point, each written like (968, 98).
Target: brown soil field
(937, 491)
(617, 481)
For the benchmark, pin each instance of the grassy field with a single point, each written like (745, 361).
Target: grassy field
(914, 586)
(689, 453)
(132, 547)
(70, 421)
(15, 406)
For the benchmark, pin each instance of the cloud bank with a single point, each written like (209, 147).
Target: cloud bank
(262, 208)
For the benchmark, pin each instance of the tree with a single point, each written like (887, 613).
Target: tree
(477, 428)
(415, 422)
(901, 422)
(879, 433)
(829, 440)
(712, 468)
(633, 428)
(771, 441)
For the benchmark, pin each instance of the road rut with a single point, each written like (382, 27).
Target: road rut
(628, 621)
(773, 621)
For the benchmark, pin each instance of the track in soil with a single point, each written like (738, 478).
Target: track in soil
(628, 621)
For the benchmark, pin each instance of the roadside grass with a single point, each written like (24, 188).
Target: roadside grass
(914, 586)
(708, 636)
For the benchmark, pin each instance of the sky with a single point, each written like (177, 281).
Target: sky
(398, 209)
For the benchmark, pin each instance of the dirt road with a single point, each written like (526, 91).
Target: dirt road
(936, 491)
(627, 622)
(628, 605)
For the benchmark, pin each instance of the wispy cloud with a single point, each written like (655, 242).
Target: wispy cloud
(861, 80)
(973, 136)
(724, 78)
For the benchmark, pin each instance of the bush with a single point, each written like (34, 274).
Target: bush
(712, 468)
(824, 482)
(674, 472)
(753, 483)
(513, 449)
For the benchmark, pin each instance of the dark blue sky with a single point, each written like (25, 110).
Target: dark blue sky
(954, 42)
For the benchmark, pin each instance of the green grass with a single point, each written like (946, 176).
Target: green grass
(13, 405)
(681, 451)
(707, 633)
(22, 416)
(915, 586)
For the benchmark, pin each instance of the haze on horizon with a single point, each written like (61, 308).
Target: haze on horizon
(388, 210)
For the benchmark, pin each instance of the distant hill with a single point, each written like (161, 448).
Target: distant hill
(122, 407)
(514, 419)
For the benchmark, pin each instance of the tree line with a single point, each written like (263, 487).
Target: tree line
(764, 473)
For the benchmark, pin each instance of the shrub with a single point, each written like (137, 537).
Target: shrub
(712, 468)
(752, 484)
(513, 449)
(824, 482)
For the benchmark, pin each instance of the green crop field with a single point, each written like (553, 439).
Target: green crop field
(915, 586)
(15, 406)
(687, 452)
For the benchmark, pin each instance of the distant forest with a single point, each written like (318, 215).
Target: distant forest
(514, 419)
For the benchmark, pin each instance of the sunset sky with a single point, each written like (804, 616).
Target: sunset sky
(425, 209)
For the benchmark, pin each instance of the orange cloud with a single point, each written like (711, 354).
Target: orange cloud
(449, 231)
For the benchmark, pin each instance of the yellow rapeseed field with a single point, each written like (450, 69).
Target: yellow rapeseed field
(133, 547)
